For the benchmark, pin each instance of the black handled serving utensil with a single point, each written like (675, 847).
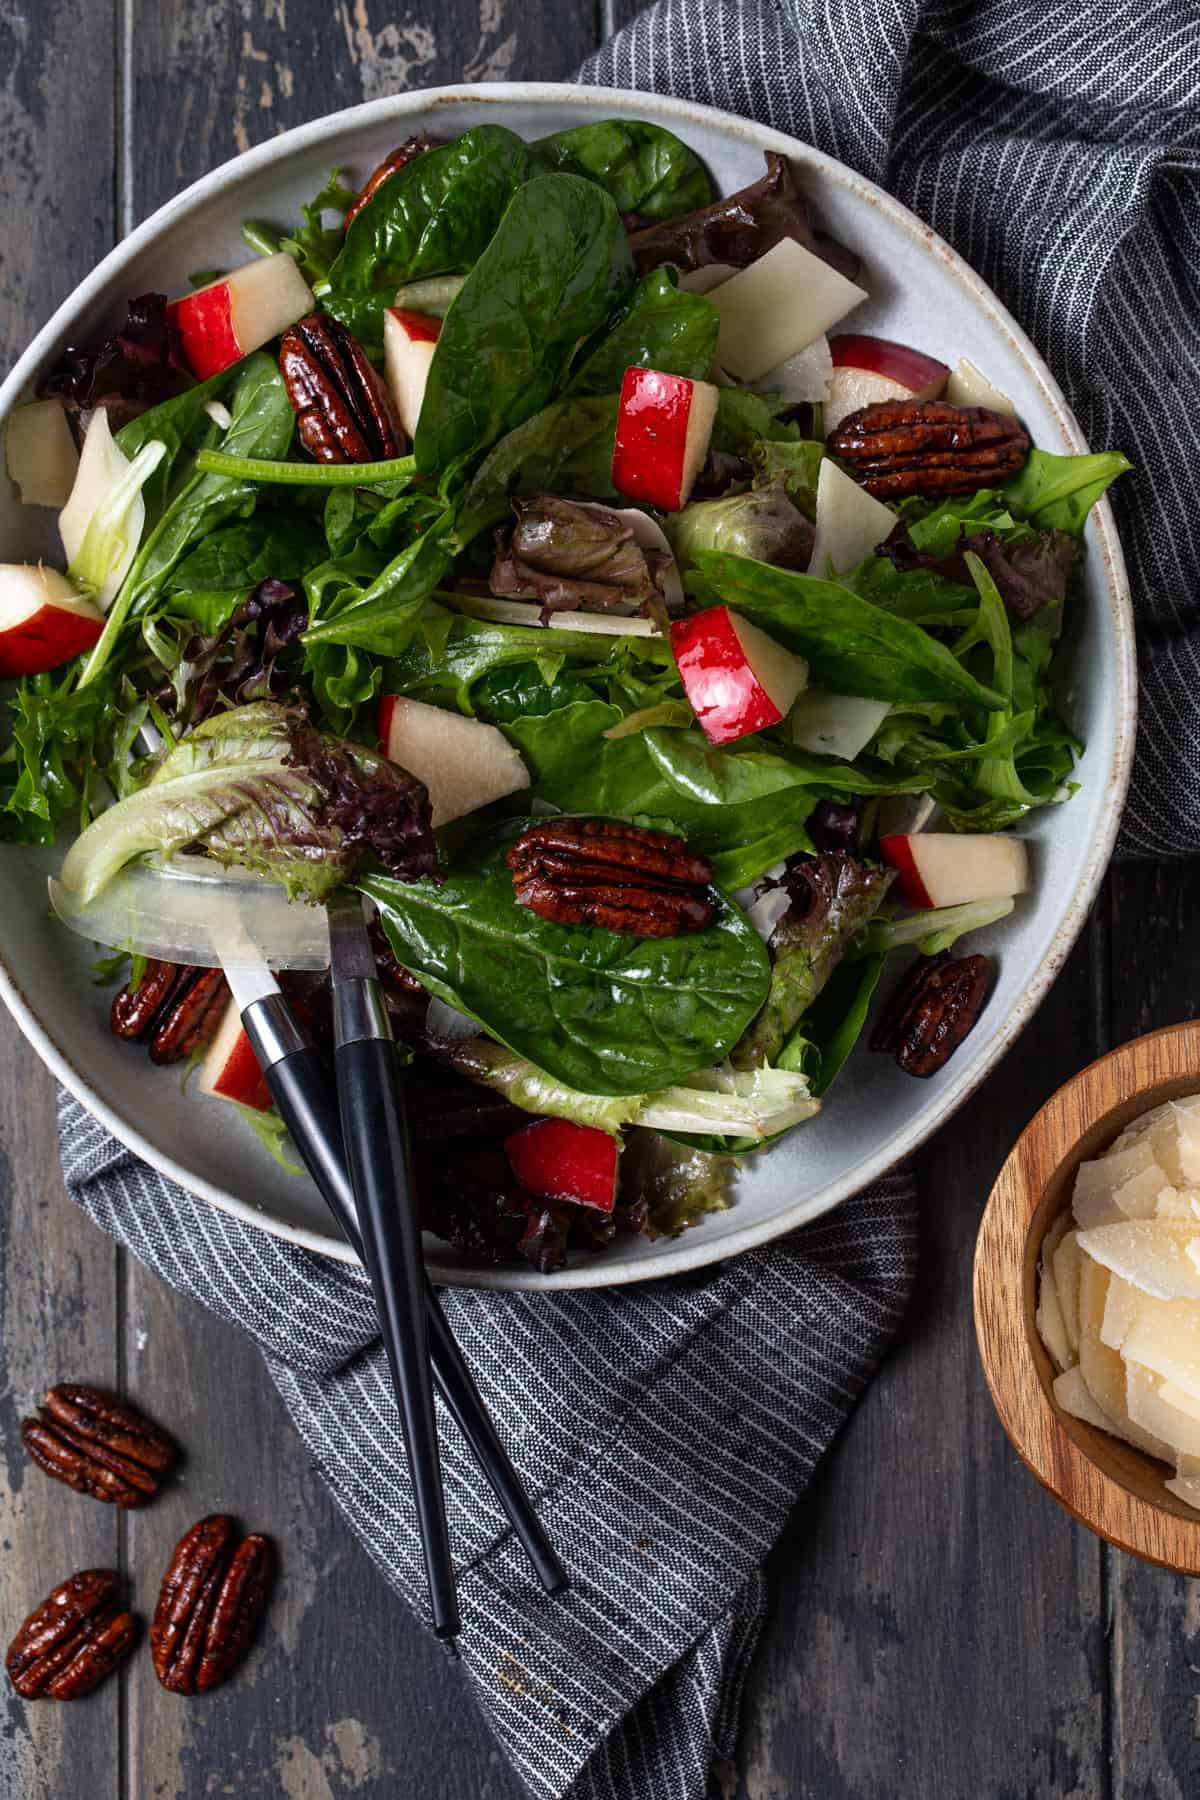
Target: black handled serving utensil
(308, 1106)
(188, 910)
(375, 1136)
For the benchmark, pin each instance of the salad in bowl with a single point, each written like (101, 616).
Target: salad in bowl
(528, 539)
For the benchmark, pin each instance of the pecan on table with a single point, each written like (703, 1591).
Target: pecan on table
(395, 159)
(212, 1597)
(73, 1640)
(900, 447)
(937, 1003)
(98, 1445)
(343, 412)
(174, 1008)
(619, 877)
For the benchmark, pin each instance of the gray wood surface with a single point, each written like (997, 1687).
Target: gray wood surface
(939, 1628)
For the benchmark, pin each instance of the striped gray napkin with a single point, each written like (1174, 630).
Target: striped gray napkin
(664, 1432)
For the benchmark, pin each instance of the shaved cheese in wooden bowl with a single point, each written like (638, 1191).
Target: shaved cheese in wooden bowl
(1119, 1294)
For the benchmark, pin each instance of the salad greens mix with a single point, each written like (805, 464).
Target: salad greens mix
(516, 581)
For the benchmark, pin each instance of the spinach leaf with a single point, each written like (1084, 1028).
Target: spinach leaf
(700, 772)
(661, 328)
(348, 513)
(852, 646)
(210, 609)
(923, 596)
(262, 426)
(603, 1013)
(521, 691)
(1059, 491)
(645, 168)
(772, 829)
(574, 766)
(383, 616)
(432, 217)
(557, 265)
(564, 449)
(271, 545)
(934, 527)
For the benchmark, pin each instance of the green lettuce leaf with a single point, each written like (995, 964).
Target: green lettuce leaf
(749, 1106)
(1058, 492)
(258, 786)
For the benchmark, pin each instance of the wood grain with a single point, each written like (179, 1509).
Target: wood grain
(211, 80)
(58, 1284)
(1155, 1617)
(935, 1618)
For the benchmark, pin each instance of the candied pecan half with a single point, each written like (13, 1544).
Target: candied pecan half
(343, 412)
(899, 447)
(175, 1007)
(190, 1017)
(98, 1445)
(72, 1640)
(933, 1009)
(395, 159)
(135, 1009)
(212, 1597)
(619, 877)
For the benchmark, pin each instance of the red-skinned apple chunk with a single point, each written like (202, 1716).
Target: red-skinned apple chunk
(44, 620)
(240, 312)
(409, 341)
(867, 369)
(736, 678)
(664, 423)
(947, 868)
(557, 1160)
(231, 1070)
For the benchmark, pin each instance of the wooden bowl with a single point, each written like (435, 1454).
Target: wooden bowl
(1109, 1486)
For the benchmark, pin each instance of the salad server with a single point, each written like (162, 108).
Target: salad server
(185, 911)
(375, 1134)
(308, 1107)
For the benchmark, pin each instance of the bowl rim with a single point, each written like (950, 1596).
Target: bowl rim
(1058, 1449)
(678, 1255)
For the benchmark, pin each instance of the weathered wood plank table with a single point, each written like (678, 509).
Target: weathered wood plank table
(939, 1629)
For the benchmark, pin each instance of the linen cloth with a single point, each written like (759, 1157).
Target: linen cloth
(666, 1430)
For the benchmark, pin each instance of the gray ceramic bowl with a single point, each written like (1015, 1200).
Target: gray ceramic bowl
(921, 293)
